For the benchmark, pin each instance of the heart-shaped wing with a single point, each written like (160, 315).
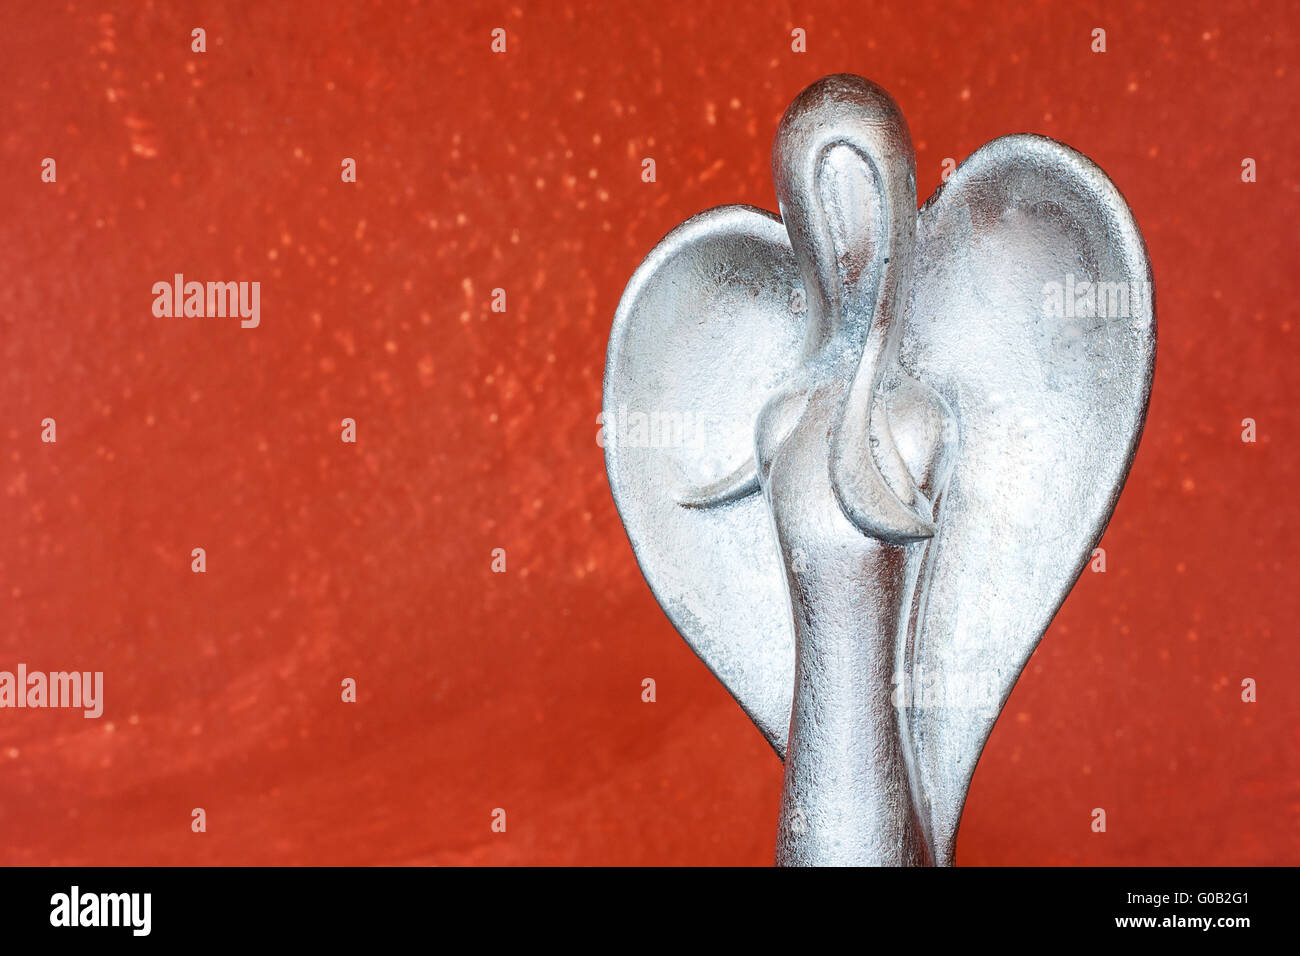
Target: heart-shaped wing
(1049, 403)
(709, 325)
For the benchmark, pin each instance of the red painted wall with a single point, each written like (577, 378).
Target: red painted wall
(476, 430)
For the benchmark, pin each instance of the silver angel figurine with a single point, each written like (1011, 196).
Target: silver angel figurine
(863, 452)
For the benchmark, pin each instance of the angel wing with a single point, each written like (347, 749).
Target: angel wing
(1050, 404)
(709, 325)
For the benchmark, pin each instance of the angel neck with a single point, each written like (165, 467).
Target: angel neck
(860, 327)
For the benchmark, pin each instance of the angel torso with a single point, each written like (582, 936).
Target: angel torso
(848, 795)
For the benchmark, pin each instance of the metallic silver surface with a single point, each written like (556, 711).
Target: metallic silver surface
(862, 453)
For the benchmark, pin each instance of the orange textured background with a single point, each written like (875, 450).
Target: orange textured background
(477, 430)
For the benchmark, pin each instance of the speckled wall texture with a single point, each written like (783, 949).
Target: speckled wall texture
(476, 429)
